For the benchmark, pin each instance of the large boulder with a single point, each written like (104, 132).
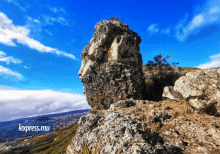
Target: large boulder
(201, 88)
(111, 67)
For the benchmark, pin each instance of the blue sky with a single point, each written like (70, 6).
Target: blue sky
(41, 42)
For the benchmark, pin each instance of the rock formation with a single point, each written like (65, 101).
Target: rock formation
(121, 122)
(200, 88)
(147, 127)
(111, 69)
(117, 133)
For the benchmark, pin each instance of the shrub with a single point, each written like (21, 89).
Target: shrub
(161, 60)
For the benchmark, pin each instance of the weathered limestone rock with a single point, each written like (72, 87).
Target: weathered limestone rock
(168, 92)
(142, 126)
(201, 88)
(111, 69)
(115, 133)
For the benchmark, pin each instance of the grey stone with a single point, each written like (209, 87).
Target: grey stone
(111, 67)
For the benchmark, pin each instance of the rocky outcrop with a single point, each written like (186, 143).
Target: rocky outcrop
(200, 88)
(118, 133)
(111, 69)
(141, 126)
(121, 121)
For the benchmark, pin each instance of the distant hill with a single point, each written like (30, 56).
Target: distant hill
(21, 120)
(42, 119)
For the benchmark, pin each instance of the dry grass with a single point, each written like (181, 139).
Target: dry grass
(85, 149)
(52, 143)
(148, 81)
(182, 115)
(96, 146)
(59, 144)
(188, 69)
(144, 67)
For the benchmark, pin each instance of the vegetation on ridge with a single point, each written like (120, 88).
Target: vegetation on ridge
(54, 143)
(161, 60)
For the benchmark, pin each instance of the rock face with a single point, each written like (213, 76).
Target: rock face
(201, 88)
(111, 69)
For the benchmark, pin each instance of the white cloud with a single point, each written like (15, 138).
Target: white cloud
(210, 14)
(184, 31)
(56, 10)
(48, 32)
(62, 10)
(37, 25)
(214, 62)
(153, 28)
(214, 57)
(17, 4)
(4, 58)
(36, 21)
(10, 32)
(48, 20)
(165, 31)
(214, 10)
(3, 87)
(24, 103)
(26, 67)
(7, 72)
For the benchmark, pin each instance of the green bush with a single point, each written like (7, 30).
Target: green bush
(161, 60)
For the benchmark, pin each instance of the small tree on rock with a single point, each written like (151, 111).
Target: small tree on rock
(161, 60)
